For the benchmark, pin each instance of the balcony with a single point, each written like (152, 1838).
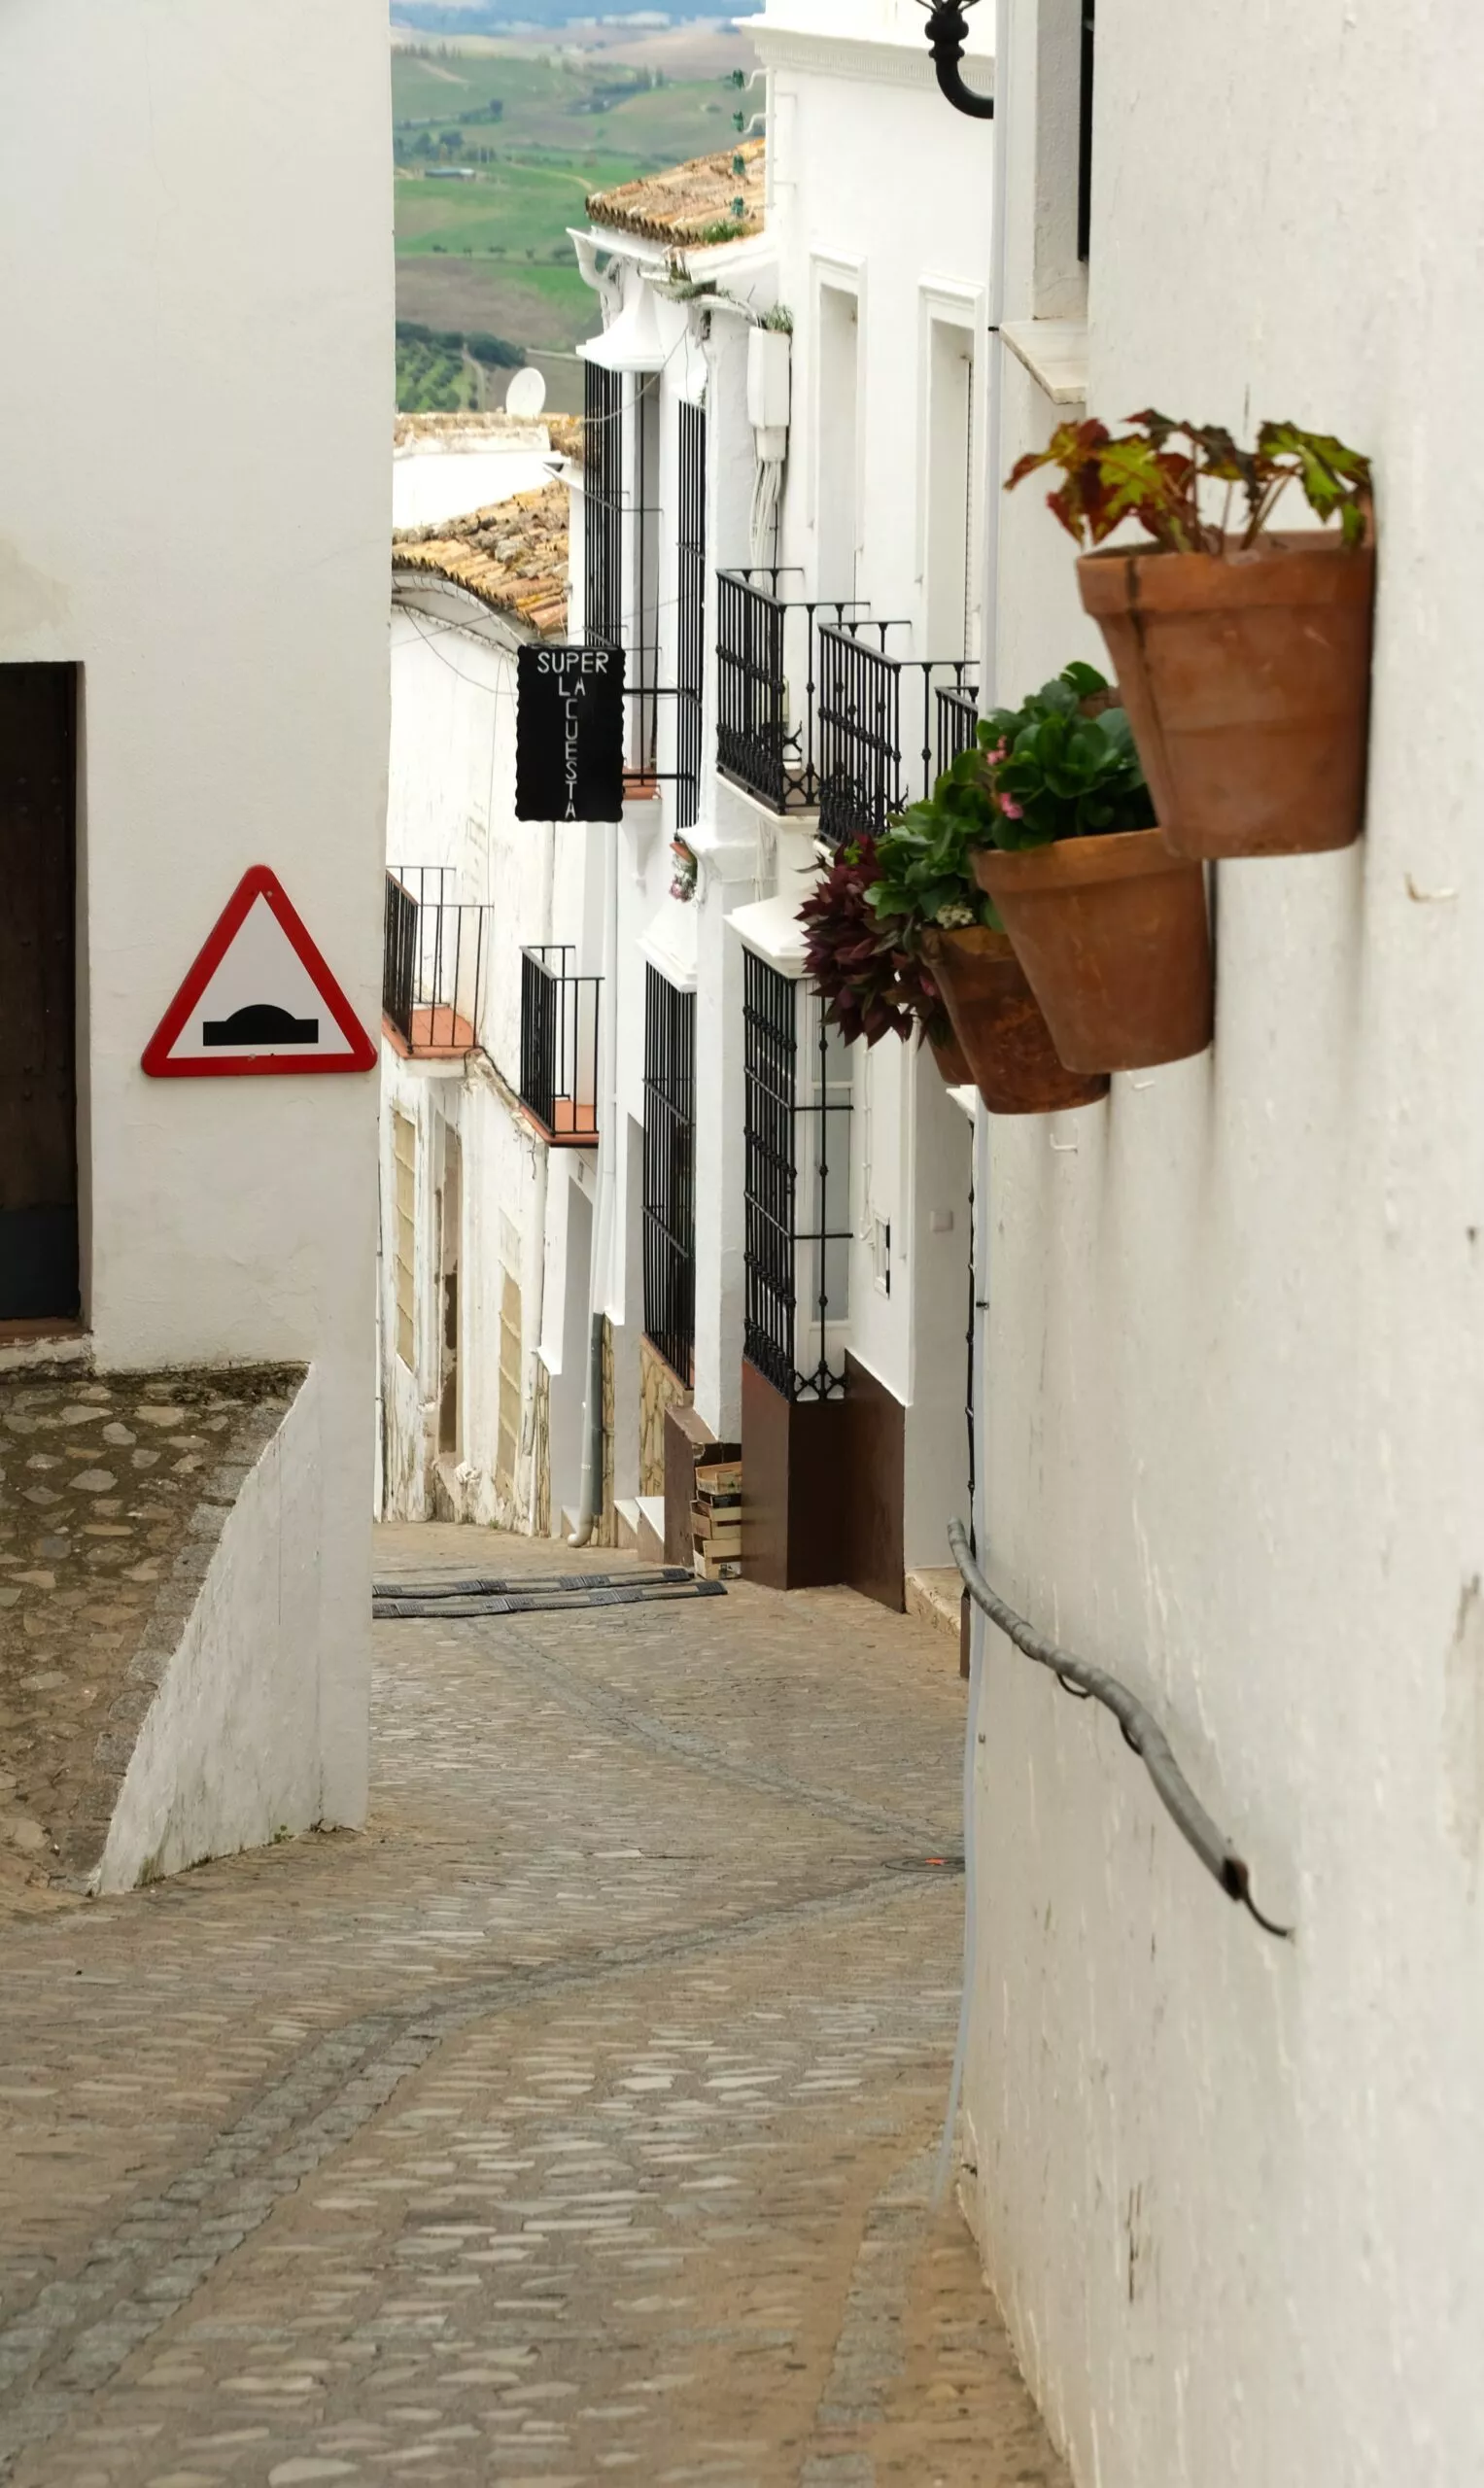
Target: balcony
(818, 712)
(767, 717)
(433, 964)
(559, 1046)
(957, 705)
(882, 725)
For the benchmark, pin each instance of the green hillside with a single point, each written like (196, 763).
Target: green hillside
(497, 149)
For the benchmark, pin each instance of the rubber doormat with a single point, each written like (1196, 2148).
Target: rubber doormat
(535, 1592)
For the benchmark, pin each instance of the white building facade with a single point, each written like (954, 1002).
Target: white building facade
(788, 377)
(762, 463)
(1227, 2185)
(191, 609)
(475, 1210)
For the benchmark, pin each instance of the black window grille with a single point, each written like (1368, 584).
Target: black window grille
(433, 958)
(880, 732)
(1084, 132)
(797, 1189)
(670, 1173)
(558, 1046)
(602, 505)
(690, 617)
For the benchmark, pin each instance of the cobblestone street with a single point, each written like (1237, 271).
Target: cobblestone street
(576, 2121)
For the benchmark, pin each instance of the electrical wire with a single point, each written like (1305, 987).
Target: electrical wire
(1142, 1732)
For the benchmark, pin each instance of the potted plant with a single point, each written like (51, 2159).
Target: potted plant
(872, 984)
(1109, 926)
(1244, 656)
(926, 890)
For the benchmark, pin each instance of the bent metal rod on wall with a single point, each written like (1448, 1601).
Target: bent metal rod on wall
(1141, 1731)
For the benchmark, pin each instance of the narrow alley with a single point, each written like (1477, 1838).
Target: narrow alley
(578, 2117)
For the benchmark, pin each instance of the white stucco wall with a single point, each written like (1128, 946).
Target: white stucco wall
(432, 482)
(228, 1753)
(451, 805)
(880, 194)
(205, 536)
(1228, 2188)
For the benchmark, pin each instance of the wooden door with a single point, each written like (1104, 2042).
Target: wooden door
(38, 997)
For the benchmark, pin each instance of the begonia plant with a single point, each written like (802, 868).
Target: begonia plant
(1161, 473)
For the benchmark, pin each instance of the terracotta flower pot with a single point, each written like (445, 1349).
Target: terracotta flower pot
(1111, 933)
(1247, 681)
(999, 1026)
(951, 1060)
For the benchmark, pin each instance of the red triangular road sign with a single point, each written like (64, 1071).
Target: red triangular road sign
(260, 998)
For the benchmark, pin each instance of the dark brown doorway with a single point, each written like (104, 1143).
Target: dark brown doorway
(38, 992)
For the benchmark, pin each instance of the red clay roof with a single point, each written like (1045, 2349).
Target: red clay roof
(692, 203)
(512, 555)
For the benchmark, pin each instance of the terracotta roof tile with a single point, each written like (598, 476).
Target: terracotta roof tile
(691, 203)
(512, 555)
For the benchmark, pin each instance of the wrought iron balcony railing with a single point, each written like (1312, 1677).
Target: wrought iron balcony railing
(558, 1046)
(957, 705)
(433, 961)
(767, 689)
(880, 727)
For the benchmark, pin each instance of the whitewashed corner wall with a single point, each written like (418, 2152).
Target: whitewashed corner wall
(1228, 2188)
(232, 1750)
(221, 582)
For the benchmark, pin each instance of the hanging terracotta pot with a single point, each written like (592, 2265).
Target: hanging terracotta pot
(1111, 934)
(1247, 681)
(951, 1060)
(999, 1026)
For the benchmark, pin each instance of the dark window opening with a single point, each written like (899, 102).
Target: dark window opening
(670, 1173)
(690, 617)
(38, 993)
(603, 502)
(1085, 135)
(644, 671)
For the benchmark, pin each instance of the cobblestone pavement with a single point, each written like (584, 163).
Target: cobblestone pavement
(574, 2121)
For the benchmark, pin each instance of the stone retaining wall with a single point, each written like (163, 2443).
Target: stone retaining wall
(115, 1495)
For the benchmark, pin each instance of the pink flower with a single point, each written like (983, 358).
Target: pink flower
(998, 754)
(1011, 808)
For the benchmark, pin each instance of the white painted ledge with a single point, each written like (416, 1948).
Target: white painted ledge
(770, 928)
(1055, 352)
(668, 943)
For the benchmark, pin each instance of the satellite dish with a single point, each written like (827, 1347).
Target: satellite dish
(527, 392)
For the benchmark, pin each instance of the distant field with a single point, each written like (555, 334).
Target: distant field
(492, 253)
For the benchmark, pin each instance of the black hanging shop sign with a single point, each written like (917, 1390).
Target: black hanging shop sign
(570, 733)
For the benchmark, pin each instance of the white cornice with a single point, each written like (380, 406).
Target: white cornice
(889, 64)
